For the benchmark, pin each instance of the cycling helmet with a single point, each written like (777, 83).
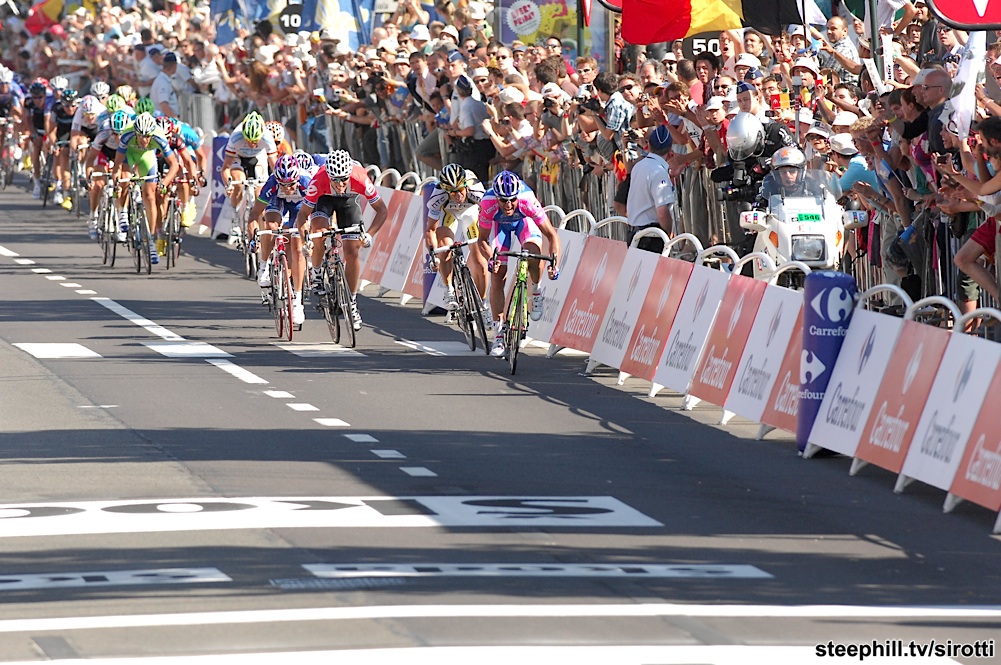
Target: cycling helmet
(100, 89)
(453, 178)
(175, 127)
(60, 83)
(144, 105)
(119, 121)
(507, 185)
(277, 130)
(305, 161)
(6, 77)
(127, 93)
(253, 127)
(115, 103)
(37, 88)
(70, 96)
(145, 125)
(163, 122)
(90, 104)
(338, 164)
(286, 170)
(789, 156)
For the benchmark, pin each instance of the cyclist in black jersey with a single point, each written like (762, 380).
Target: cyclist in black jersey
(10, 112)
(36, 109)
(60, 123)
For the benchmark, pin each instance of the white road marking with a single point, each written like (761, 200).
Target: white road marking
(418, 472)
(71, 285)
(40, 271)
(57, 350)
(138, 320)
(63, 579)
(7, 252)
(490, 655)
(362, 438)
(244, 375)
(326, 350)
(205, 514)
(440, 348)
(98, 406)
(278, 394)
(301, 406)
(388, 454)
(187, 350)
(24, 262)
(623, 570)
(520, 610)
(55, 278)
(86, 292)
(331, 422)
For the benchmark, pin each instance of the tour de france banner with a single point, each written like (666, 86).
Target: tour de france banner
(532, 21)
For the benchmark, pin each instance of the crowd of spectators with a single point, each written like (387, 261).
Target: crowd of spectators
(438, 71)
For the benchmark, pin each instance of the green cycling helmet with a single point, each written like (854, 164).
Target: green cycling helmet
(144, 105)
(115, 103)
(253, 127)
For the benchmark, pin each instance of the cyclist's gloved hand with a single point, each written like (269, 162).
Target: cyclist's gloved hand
(366, 239)
(163, 190)
(432, 262)
(307, 247)
(554, 271)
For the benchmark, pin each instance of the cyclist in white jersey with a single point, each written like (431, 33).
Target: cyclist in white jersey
(250, 146)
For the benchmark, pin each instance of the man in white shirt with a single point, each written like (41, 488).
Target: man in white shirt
(162, 91)
(651, 199)
(147, 69)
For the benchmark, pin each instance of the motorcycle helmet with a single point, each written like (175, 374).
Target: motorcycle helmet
(788, 164)
(745, 137)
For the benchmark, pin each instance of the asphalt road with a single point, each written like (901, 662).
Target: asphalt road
(190, 488)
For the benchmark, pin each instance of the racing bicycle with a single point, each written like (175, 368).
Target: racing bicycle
(279, 296)
(336, 300)
(518, 303)
(470, 315)
(138, 234)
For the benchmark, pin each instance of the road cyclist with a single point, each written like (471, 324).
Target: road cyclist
(36, 109)
(332, 196)
(102, 152)
(510, 211)
(250, 154)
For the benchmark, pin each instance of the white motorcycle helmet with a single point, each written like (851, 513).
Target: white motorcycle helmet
(745, 137)
(788, 164)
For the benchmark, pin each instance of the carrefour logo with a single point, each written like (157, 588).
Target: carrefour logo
(912, 368)
(963, 378)
(735, 317)
(700, 302)
(599, 272)
(866, 351)
(773, 326)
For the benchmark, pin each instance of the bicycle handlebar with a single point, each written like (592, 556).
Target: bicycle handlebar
(280, 232)
(448, 248)
(522, 254)
(357, 228)
(129, 178)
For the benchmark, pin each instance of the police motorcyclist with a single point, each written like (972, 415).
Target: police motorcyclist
(788, 177)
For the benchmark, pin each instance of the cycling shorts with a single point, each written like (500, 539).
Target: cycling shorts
(346, 210)
(106, 156)
(249, 165)
(144, 161)
(284, 207)
(525, 230)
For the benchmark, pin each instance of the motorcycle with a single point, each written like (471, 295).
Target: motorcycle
(804, 224)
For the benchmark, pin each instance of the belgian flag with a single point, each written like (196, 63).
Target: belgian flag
(652, 21)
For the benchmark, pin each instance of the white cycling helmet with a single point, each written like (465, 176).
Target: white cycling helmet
(305, 161)
(338, 164)
(100, 89)
(7, 76)
(90, 105)
(145, 124)
(60, 83)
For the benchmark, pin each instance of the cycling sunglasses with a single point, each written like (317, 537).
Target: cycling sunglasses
(341, 179)
(507, 199)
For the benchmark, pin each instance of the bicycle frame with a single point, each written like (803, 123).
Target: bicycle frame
(517, 306)
(337, 299)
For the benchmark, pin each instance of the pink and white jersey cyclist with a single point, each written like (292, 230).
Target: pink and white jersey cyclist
(511, 210)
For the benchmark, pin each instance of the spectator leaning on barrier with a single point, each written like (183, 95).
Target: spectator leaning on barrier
(651, 199)
(162, 91)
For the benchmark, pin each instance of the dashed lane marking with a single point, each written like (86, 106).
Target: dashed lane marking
(71, 285)
(111, 578)
(7, 252)
(235, 370)
(361, 438)
(388, 454)
(187, 349)
(138, 319)
(439, 348)
(49, 350)
(625, 570)
(278, 394)
(328, 350)
(24, 262)
(418, 471)
(40, 271)
(301, 406)
(55, 278)
(86, 292)
(331, 422)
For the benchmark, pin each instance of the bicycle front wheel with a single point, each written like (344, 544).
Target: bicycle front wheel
(330, 306)
(46, 179)
(344, 298)
(464, 316)
(110, 222)
(143, 236)
(515, 324)
(474, 304)
(168, 233)
(285, 276)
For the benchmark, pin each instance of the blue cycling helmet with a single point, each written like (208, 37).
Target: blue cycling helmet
(507, 185)
(286, 170)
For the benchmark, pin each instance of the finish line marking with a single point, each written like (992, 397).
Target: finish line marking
(203, 514)
(112, 578)
(631, 571)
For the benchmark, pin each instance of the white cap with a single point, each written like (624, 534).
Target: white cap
(716, 103)
(669, 57)
(796, 30)
(820, 129)
(807, 63)
(846, 118)
(747, 60)
(448, 30)
(511, 96)
(551, 90)
(476, 11)
(843, 145)
(805, 115)
(479, 72)
(420, 33)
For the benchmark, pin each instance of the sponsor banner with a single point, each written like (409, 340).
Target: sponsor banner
(222, 213)
(902, 395)
(963, 376)
(725, 346)
(828, 304)
(782, 410)
(589, 293)
(420, 274)
(978, 478)
(688, 335)
(409, 241)
(656, 317)
(855, 380)
(384, 242)
(620, 320)
(554, 294)
(766, 346)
